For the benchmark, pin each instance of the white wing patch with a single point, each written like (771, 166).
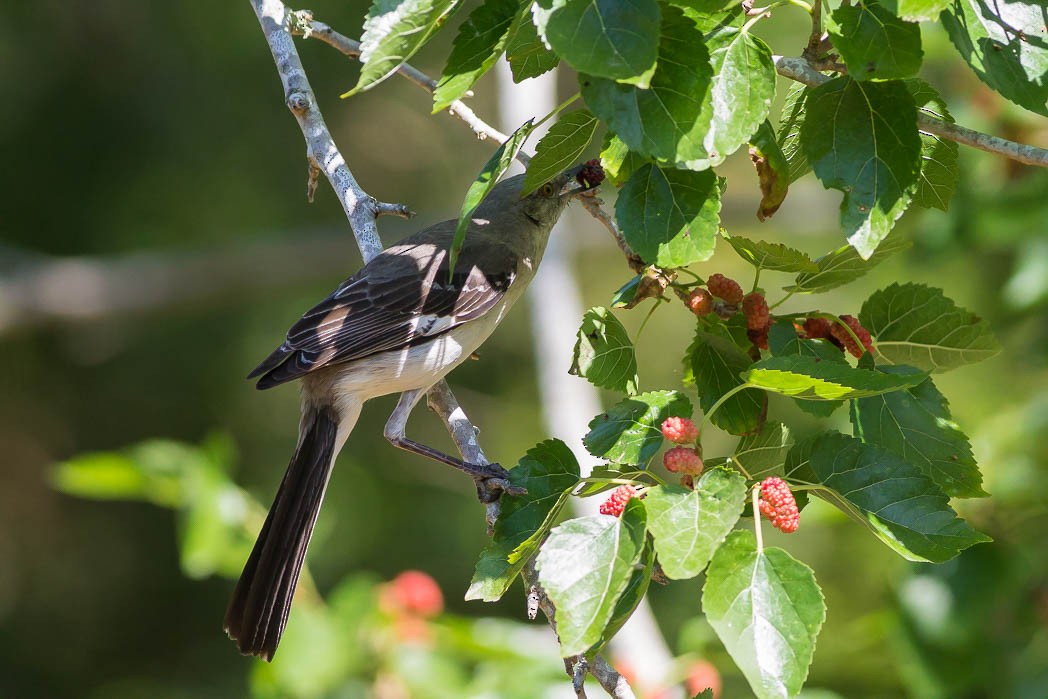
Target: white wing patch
(430, 324)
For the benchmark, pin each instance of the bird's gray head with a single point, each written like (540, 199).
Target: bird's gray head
(542, 206)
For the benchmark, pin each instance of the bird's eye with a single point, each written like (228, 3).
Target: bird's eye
(548, 189)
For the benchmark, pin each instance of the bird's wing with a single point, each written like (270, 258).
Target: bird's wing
(401, 298)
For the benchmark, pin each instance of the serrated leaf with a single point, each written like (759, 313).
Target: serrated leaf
(393, 31)
(810, 378)
(618, 160)
(688, 525)
(874, 43)
(628, 433)
(767, 610)
(845, 265)
(773, 172)
(602, 37)
(560, 148)
(900, 505)
(548, 470)
(771, 256)
(670, 217)
(584, 567)
(604, 354)
(1006, 44)
(938, 179)
(861, 138)
(478, 44)
(917, 325)
(631, 597)
(764, 453)
(740, 96)
(793, 113)
(717, 363)
(916, 425)
(666, 120)
(916, 10)
(783, 341)
(489, 175)
(527, 55)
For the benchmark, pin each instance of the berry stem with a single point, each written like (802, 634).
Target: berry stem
(782, 301)
(757, 519)
(756, 279)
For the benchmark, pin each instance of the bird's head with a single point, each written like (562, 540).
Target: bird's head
(544, 205)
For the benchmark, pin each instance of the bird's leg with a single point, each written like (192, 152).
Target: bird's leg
(492, 474)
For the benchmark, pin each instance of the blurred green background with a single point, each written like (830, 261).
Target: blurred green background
(155, 243)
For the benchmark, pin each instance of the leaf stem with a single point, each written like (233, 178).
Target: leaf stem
(557, 110)
(720, 402)
(756, 278)
(762, 12)
(757, 519)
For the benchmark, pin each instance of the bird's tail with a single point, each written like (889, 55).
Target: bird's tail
(259, 609)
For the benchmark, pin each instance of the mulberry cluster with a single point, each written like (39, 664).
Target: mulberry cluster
(778, 505)
(616, 502)
(758, 318)
(847, 341)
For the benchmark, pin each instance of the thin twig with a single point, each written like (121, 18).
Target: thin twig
(802, 71)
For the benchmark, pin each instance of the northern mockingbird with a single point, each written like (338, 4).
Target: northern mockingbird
(396, 326)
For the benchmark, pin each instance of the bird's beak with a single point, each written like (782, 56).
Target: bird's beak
(572, 186)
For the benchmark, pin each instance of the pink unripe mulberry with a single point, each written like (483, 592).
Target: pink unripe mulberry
(778, 505)
(682, 460)
(680, 430)
(846, 339)
(616, 502)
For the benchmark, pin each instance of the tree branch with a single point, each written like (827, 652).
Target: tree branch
(361, 209)
(802, 71)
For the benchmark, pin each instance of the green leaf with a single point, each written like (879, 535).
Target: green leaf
(783, 341)
(772, 256)
(489, 175)
(547, 471)
(604, 354)
(629, 432)
(688, 525)
(528, 57)
(767, 610)
(938, 179)
(618, 161)
(811, 378)
(900, 505)
(1006, 44)
(773, 172)
(916, 10)
(104, 476)
(606, 38)
(740, 94)
(716, 363)
(845, 265)
(793, 113)
(669, 216)
(478, 44)
(916, 425)
(584, 567)
(666, 120)
(212, 528)
(917, 325)
(861, 138)
(874, 43)
(631, 597)
(560, 148)
(393, 31)
(764, 453)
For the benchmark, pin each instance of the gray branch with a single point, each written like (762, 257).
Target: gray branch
(802, 71)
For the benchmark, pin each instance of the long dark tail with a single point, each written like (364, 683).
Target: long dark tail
(258, 611)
